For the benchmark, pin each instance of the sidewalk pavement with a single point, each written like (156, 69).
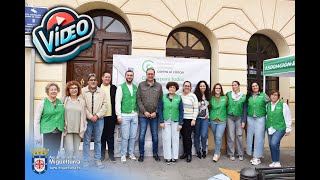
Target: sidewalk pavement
(197, 169)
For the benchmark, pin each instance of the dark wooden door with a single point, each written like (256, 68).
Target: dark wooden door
(111, 47)
(112, 36)
(96, 59)
(88, 61)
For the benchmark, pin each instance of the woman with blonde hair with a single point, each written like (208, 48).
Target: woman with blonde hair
(190, 113)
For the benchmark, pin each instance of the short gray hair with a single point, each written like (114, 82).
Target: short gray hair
(151, 68)
(51, 84)
(92, 75)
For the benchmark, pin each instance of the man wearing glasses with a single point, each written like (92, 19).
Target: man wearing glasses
(96, 106)
(148, 97)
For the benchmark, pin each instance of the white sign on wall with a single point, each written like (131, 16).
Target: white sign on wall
(166, 69)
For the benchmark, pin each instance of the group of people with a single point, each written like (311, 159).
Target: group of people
(96, 110)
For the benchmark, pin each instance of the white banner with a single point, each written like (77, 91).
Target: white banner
(166, 69)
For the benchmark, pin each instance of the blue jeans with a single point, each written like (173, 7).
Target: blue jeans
(274, 144)
(217, 130)
(96, 128)
(128, 128)
(201, 130)
(256, 128)
(154, 132)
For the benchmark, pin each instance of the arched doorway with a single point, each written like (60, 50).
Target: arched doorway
(112, 36)
(186, 42)
(260, 48)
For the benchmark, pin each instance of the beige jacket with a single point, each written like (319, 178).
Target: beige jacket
(83, 121)
(100, 102)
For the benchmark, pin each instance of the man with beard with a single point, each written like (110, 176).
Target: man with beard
(126, 111)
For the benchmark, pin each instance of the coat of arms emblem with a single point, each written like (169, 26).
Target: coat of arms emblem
(39, 160)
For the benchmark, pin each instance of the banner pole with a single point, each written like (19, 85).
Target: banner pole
(264, 83)
(32, 77)
(264, 79)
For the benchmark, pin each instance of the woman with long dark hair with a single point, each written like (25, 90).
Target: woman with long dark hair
(218, 117)
(202, 92)
(235, 121)
(256, 121)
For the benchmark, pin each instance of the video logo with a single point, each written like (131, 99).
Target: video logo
(62, 35)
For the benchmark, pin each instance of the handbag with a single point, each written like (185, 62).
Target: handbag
(61, 152)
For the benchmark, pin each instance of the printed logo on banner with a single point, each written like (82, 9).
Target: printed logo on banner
(62, 35)
(39, 160)
(147, 64)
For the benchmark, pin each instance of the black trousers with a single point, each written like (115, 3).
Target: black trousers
(108, 136)
(186, 132)
(52, 141)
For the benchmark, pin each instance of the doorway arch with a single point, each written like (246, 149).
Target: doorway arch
(112, 35)
(260, 48)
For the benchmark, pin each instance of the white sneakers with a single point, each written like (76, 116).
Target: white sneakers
(99, 164)
(215, 157)
(275, 164)
(123, 159)
(232, 158)
(132, 157)
(255, 161)
(240, 157)
(272, 164)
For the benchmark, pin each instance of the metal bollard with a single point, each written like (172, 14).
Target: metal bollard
(248, 174)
